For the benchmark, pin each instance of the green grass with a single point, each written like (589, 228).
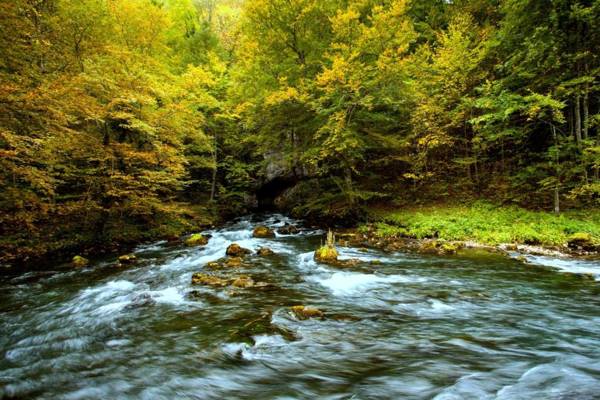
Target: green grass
(485, 223)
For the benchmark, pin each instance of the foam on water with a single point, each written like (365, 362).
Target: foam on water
(352, 283)
(568, 265)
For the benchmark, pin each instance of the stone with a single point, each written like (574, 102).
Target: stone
(263, 232)
(303, 312)
(326, 254)
(208, 280)
(235, 250)
(234, 262)
(127, 259)
(581, 240)
(288, 230)
(79, 261)
(243, 282)
(196, 240)
(265, 252)
(213, 265)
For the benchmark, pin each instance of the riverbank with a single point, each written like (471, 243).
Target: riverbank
(446, 227)
(59, 239)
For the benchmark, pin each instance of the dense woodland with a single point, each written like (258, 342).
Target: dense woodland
(125, 120)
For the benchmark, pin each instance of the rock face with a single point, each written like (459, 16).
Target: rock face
(79, 261)
(235, 250)
(196, 240)
(581, 240)
(263, 232)
(265, 252)
(303, 312)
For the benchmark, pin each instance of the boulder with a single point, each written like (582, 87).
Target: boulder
(288, 229)
(79, 261)
(243, 282)
(581, 240)
(235, 250)
(265, 252)
(303, 312)
(127, 259)
(263, 232)
(196, 240)
(213, 265)
(208, 280)
(326, 254)
(233, 262)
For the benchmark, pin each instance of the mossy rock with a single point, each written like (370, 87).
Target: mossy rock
(449, 248)
(234, 262)
(127, 259)
(580, 239)
(265, 252)
(235, 250)
(196, 240)
(263, 232)
(303, 312)
(243, 282)
(326, 254)
(208, 280)
(288, 230)
(79, 261)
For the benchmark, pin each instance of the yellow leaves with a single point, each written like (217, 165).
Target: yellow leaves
(283, 95)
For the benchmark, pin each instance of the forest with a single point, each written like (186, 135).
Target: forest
(127, 121)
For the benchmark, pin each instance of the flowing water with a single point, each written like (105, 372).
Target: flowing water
(475, 326)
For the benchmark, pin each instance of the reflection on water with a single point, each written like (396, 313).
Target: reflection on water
(477, 326)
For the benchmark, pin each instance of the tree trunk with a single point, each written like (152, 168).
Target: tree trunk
(557, 172)
(213, 185)
(586, 112)
(578, 120)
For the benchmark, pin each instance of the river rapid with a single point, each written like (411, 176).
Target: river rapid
(396, 326)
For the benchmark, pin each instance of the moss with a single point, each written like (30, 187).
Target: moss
(79, 261)
(326, 253)
(196, 240)
(486, 223)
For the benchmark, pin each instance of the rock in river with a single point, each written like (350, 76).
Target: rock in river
(303, 312)
(196, 240)
(263, 232)
(235, 250)
(79, 261)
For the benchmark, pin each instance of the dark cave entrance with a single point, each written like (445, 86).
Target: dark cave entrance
(268, 192)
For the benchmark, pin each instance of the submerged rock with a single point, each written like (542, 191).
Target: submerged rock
(303, 312)
(439, 247)
(288, 229)
(263, 232)
(79, 261)
(208, 280)
(265, 252)
(235, 250)
(196, 240)
(243, 282)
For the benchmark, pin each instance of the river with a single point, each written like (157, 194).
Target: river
(396, 326)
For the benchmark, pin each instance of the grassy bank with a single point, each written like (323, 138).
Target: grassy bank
(486, 223)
